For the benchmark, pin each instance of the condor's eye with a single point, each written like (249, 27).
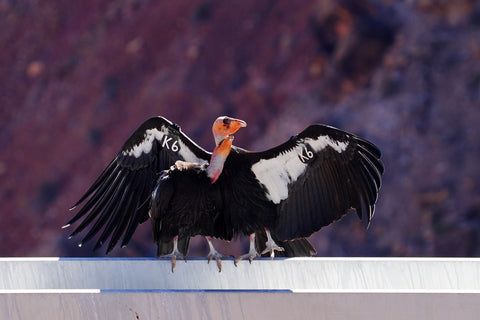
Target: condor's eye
(226, 120)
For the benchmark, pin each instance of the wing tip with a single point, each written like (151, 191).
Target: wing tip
(98, 245)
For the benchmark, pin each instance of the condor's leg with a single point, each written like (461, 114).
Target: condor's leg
(174, 254)
(270, 245)
(214, 254)
(252, 252)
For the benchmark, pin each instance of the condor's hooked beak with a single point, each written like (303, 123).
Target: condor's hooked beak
(226, 126)
(223, 129)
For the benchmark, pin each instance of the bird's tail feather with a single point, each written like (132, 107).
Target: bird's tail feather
(299, 247)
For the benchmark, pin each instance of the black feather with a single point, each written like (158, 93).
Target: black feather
(323, 174)
(119, 199)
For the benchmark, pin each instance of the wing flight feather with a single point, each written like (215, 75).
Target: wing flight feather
(317, 177)
(119, 199)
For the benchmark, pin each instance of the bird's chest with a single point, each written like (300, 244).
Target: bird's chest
(244, 202)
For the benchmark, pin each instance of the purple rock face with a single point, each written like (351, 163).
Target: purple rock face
(77, 78)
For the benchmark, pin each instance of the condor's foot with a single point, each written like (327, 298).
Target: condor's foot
(175, 254)
(214, 254)
(251, 254)
(217, 256)
(173, 257)
(271, 246)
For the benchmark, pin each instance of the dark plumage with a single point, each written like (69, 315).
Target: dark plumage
(281, 195)
(183, 214)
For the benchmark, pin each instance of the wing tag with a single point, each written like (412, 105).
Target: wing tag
(306, 155)
(169, 145)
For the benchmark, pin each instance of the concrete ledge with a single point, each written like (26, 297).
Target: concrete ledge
(299, 288)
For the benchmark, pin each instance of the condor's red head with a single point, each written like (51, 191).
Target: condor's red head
(223, 129)
(225, 126)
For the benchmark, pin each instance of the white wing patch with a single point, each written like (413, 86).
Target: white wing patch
(169, 142)
(278, 173)
(187, 155)
(323, 141)
(146, 145)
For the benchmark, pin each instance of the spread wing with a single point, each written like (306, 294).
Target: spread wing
(119, 198)
(317, 177)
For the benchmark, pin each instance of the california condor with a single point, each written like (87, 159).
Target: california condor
(277, 197)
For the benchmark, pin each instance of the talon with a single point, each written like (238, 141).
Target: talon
(174, 262)
(173, 258)
(214, 254)
(219, 264)
(272, 250)
(252, 252)
(174, 254)
(271, 245)
(218, 259)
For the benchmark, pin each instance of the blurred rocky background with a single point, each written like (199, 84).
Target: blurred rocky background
(78, 77)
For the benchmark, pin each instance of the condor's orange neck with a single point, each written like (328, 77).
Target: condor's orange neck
(219, 155)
